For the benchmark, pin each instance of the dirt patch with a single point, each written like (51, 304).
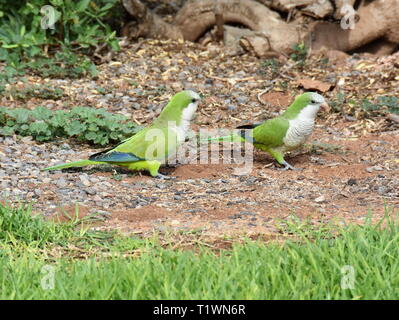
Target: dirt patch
(196, 171)
(279, 99)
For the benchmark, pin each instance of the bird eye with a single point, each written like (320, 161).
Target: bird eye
(193, 100)
(313, 101)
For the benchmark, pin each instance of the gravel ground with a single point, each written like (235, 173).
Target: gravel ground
(342, 183)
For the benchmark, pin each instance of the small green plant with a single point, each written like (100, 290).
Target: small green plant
(94, 126)
(36, 91)
(272, 65)
(338, 103)
(321, 147)
(389, 102)
(80, 27)
(300, 53)
(283, 84)
(64, 64)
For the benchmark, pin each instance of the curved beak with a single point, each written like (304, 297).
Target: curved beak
(325, 107)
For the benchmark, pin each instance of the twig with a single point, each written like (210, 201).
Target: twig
(268, 88)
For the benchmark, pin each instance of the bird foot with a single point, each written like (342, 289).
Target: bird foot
(163, 177)
(287, 166)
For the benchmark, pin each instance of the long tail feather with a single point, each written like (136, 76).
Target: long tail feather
(230, 138)
(80, 163)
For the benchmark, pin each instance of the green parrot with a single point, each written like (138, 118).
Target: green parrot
(148, 149)
(284, 133)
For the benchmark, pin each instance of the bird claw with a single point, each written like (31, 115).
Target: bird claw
(287, 166)
(163, 177)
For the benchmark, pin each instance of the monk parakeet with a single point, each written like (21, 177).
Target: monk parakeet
(152, 146)
(286, 132)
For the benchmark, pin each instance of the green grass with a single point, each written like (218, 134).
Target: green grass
(97, 265)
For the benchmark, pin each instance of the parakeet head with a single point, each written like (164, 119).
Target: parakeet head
(306, 105)
(182, 106)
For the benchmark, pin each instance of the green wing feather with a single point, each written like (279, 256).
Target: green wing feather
(272, 132)
(161, 140)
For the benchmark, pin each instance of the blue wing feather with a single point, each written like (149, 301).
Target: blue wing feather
(115, 156)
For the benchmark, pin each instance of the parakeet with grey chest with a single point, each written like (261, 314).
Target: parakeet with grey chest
(284, 133)
(151, 147)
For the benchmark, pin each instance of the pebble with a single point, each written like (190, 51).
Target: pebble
(247, 213)
(232, 107)
(351, 182)
(374, 168)
(90, 191)
(61, 183)
(85, 181)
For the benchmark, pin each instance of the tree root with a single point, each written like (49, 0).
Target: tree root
(267, 33)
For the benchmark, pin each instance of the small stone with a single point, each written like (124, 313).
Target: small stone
(247, 213)
(351, 182)
(174, 222)
(136, 106)
(85, 181)
(90, 191)
(4, 184)
(97, 198)
(61, 183)
(65, 146)
(47, 180)
(382, 190)
(320, 199)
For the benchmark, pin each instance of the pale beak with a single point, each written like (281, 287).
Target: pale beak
(325, 107)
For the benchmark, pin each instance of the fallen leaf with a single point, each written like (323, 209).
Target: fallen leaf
(310, 84)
